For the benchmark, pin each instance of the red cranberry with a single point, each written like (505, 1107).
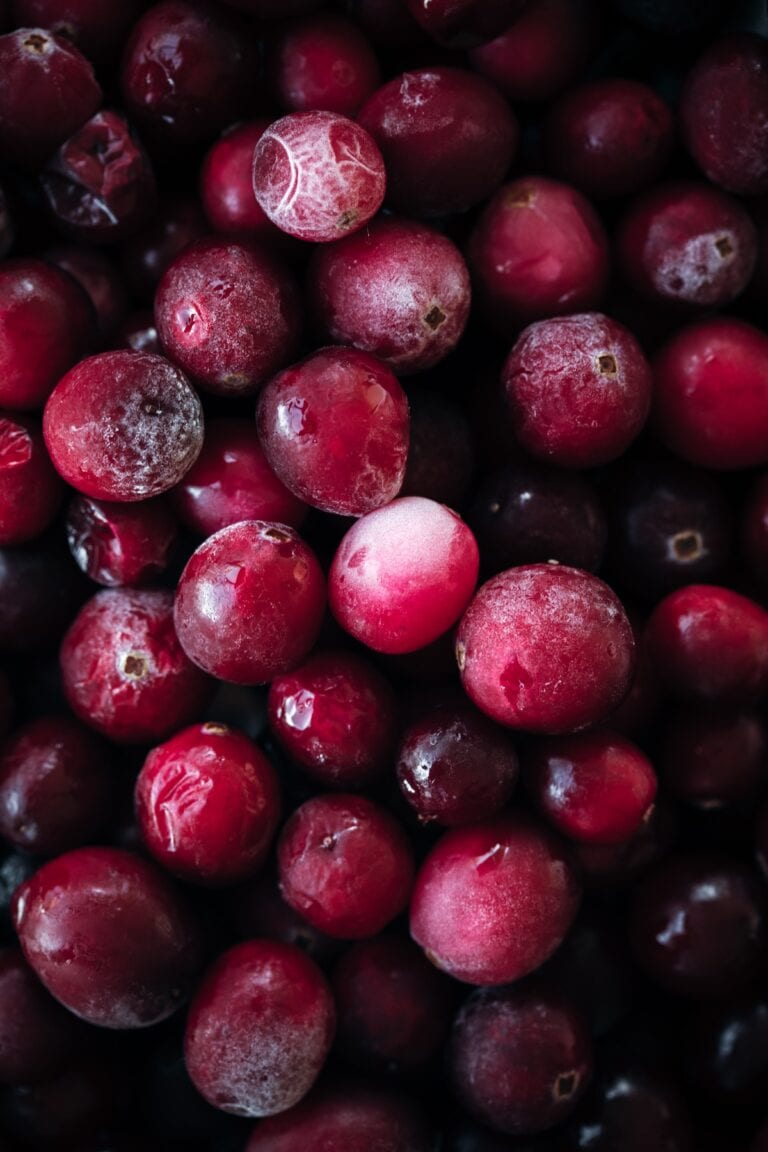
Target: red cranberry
(40, 589)
(37, 1036)
(259, 910)
(108, 936)
(334, 428)
(456, 767)
(322, 63)
(710, 644)
(335, 715)
(47, 90)
(711, 393)
(724, 113)
(259, 1029)
(147, 255)
(612, 865)
(226, 183)
(493, 900)
(398, 290)
(538, 250)
(713, 760)
(633, 1110)
(123, 426)
(545, 648)
(97, 276)
(390, 26)
(208, 803)
(441, 452)
(345, 864)
(403, 575)
(460, 24)
(45, 325)
(227, 315)
(124, 672)
(118, 544)
(698, 925)
(97, 27)
(30, 490)
(447, 138)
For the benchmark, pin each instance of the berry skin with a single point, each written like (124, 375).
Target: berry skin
(37, 1035)
(30, 489)
(226, 183)
(322, 63)
(117, 544)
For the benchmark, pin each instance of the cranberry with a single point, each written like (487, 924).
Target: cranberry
(519, 1058)
(227, 315)
(545, 648)
(259, 910)
(56, 789)
(632, 1109)
(147, 255)
(137, 333)
(40, 589)
(250, 602)
(97, 27)
(456, 767)
(441, 452)
(36, 1034)
(31, 491)
(447, 138)
(123, 670)
(698, 925)
(345, 864)
(460, 24)
(259, 1029)
(97, 276)
(335, 715)
(398, 290)
(639, 707)
(710, 644)
(591, 967)
(537, 250)
(226, 183)
(492, 901)
(45, 325)
(729, 1051)
(108, 936)
(322, 63)
(713, 760)
(47, 90)
(390, 26)
(403, 575)
(123, 426)
(613, 865)
(579, 389)
(118, 544)
(334, 428)
(724, 113)
(711, 393)
(754, 530)
(208, 804)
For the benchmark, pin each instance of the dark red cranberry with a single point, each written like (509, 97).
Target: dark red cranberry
(390, 26)
(336, 716)
(724, 113)
(47, 90)
(403, 575)
(123, 670)
(109, 937)
(466, 22)
(715, 759)
(98, 277)
(118, 544)
(537, 250)
(345, 864)
(123, 426)
(441, 451)
(40, 589)
(97, 27)
(613, 865)
(398, 290)
(456, 767)
(137, 333)
(250, 602)
(754, 531)
(226, 183)
(334, 428)
(259, 1029)
(56, 786)
(228, 315)
(519, 1058)
(591, 967)
(30, 489)
(322, 62)
(639, 707)
(710, 644)
(632, 1109)
(447, 138)
(493, 900)
(545, 648)
(698, 925)
(37, 1036)
(258, 910)
(147, 255)
(45, 326)
(528, 514)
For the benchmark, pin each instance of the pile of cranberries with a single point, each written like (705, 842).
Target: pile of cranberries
(383, 576)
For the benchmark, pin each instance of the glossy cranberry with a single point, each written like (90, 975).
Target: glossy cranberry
(30, 489)
(466, 22)
(398, 290)
(208, 803)
(698, 925)
(754, 530)
(226, 183)
(250, 602)
(56, 786)
(137, 333)
(123, 426)
(336, 716)
(529, 513)
(36, 1034)
(710, 644)
(123, 669)
(47, 90)
(403, 574)
(724, 113)
(634, 1110)
(456, 767)
(537, 250)
(258, 909)
(186, 71)
(108, 936)
(227, 315)
(117, 544)
(447, 138)
(545, 648)
(259, 1029)
(147, 255)
(519, 1058)
(492, 901)
(45, 325)
(97, 27)
(714, 760)
(322, 62)
(345, 864)
(40, 590)
(441, 451)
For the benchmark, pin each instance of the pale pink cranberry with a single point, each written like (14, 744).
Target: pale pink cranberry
(118, 544)
(322, 63)
(30, 489)
(226, 183)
